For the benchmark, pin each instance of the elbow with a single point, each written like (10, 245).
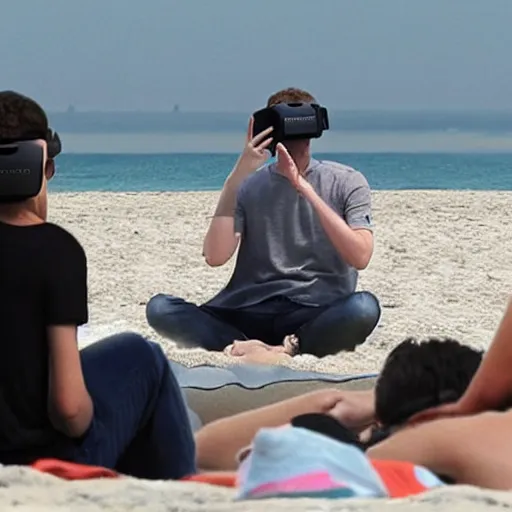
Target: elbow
(207, 453)
(67, 413)
(216, 257)
(213, 260)
(361, 264)
(204, 456)
(362, 261)
(72, 419)
(217, 251)
(214, 452)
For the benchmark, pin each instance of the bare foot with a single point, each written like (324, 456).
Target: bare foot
(256, 351)
(246, 347)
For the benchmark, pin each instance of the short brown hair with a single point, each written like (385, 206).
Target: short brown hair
(21, 118)
(290, 95)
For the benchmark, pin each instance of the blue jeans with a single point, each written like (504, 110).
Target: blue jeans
(321, 331)
(140, 425)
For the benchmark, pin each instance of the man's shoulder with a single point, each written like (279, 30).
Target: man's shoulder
(62, 240)
(60, 233)
(43, 234)
(340, 173)
(337, 169)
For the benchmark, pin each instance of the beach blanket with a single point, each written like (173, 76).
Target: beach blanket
(353, 477)
(213, 392)
(249, 376)
(72, 471)
(295, 462)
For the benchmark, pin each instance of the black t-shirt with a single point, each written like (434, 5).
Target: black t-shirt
(43, 282)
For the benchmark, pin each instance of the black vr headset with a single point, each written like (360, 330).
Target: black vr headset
(291, 121)
(22, 167)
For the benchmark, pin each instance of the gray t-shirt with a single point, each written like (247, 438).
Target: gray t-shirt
(284, 250)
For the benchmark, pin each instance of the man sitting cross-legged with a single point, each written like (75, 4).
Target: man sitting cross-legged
(303, 229)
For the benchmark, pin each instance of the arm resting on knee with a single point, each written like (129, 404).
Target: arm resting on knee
(70, 407)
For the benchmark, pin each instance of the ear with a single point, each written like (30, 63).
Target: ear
(49, 170)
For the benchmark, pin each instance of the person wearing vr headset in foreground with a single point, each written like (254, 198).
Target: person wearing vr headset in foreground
(303, 228)
(115, 403)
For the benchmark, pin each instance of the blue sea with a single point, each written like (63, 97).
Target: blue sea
(132, 172)
(201, 160)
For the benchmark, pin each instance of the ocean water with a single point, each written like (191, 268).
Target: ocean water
(132, 172)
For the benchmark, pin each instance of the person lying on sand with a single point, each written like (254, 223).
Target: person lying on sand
(115, 403)
(414, 376)
(466, 440)
(303, 229)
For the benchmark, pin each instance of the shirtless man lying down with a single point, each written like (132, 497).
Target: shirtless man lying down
(414, 376)
(466, 441)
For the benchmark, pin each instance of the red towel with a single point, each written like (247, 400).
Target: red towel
(72, 471)
(219, 478)
(400, 478)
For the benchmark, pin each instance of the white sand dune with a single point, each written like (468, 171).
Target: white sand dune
(442, 266)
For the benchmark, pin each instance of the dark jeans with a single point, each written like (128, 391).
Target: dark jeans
(140, 426)
(321, 330)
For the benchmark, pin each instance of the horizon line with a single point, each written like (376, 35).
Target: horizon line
(418, 110)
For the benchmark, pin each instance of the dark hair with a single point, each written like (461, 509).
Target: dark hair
(419, 375)
(290, 95)
(21, 118)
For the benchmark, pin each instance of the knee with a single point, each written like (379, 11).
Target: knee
(128, 348)
(123, 341)
(158, 307)
(133, 344)
(365, 308)
(148, 354)
(157, 351)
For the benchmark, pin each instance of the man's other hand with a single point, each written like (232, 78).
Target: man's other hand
(354, 409)
(288, 168)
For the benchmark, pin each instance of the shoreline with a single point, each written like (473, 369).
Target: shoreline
(72, 193)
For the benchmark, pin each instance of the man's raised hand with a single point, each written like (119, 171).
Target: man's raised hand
(255, 152)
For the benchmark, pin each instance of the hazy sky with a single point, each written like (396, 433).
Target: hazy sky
(230, 54)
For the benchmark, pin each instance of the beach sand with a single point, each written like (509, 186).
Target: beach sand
(441, 268)
(441, 265)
